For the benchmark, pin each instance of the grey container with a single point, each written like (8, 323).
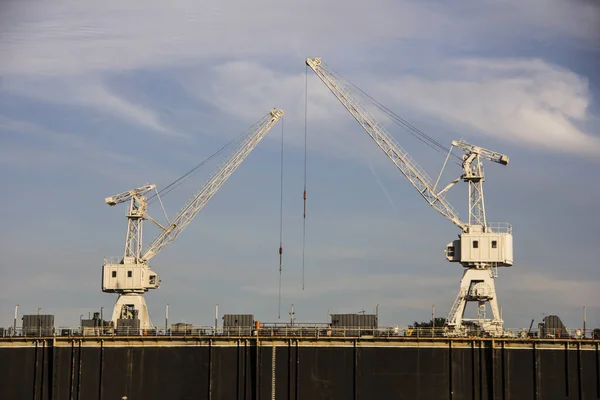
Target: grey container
(128, 327)
(181, 328)
(553, 327)
(238, 320)
(91, 323)
(366, 321)
(38, 325)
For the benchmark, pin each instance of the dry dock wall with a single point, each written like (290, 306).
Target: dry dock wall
(290, 368)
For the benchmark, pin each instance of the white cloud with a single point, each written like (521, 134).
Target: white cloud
(529, 102)
(526, 101)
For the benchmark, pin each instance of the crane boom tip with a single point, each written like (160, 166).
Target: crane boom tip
(276, 113)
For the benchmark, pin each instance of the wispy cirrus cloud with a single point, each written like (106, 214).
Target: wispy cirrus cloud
(62, 37)
(88, 92)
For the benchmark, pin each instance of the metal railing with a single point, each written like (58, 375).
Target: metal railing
(309, 331)
(499, 227)
(112, 260)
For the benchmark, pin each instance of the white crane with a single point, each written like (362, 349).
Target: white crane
(481, 247)
(132, 276)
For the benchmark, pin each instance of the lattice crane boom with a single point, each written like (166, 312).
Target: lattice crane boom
(187, 214)
(386, 142)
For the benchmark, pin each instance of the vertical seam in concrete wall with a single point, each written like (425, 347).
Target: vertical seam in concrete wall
(273, 366)
(535, 372)
(504, 375)
(244, 374)
(355, 378)
(72, 370)
(55, 369)
(493, 374)
(473, 371)
(450, 383)
(237, 375)
(210, 370)
(79, 372)
(597, 370)
(297, 372)
(289, 369)
(567, 386)
(480, 368)
(43, 372)
(35, 371)
(579, 373)
(101, 368)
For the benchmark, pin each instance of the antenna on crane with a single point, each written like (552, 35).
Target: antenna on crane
(481, 247)
(131, 276)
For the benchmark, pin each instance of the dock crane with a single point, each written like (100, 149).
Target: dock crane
(481, 247)
(132, 276)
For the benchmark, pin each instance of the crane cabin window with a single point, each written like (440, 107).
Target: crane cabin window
(494, 244)
(129, 274)
(475, 244)
(114, 274)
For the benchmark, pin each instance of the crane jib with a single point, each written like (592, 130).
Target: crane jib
(192, 209)
(409, 168)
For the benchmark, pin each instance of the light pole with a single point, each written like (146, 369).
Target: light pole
(432, 320)
(216, 317)
(39, 322)
(167, 318)
(15, 320)
(584, 321)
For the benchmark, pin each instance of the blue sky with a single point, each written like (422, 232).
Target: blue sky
(100, 97)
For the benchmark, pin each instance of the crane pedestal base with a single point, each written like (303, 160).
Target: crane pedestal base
(131, 306)
(477, 285)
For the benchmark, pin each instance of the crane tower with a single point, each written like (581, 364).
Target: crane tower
(481, 247)
(132, 276)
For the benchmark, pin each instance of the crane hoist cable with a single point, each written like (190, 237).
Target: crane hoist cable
(280, 224)
(413, 130)
(305, 147)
